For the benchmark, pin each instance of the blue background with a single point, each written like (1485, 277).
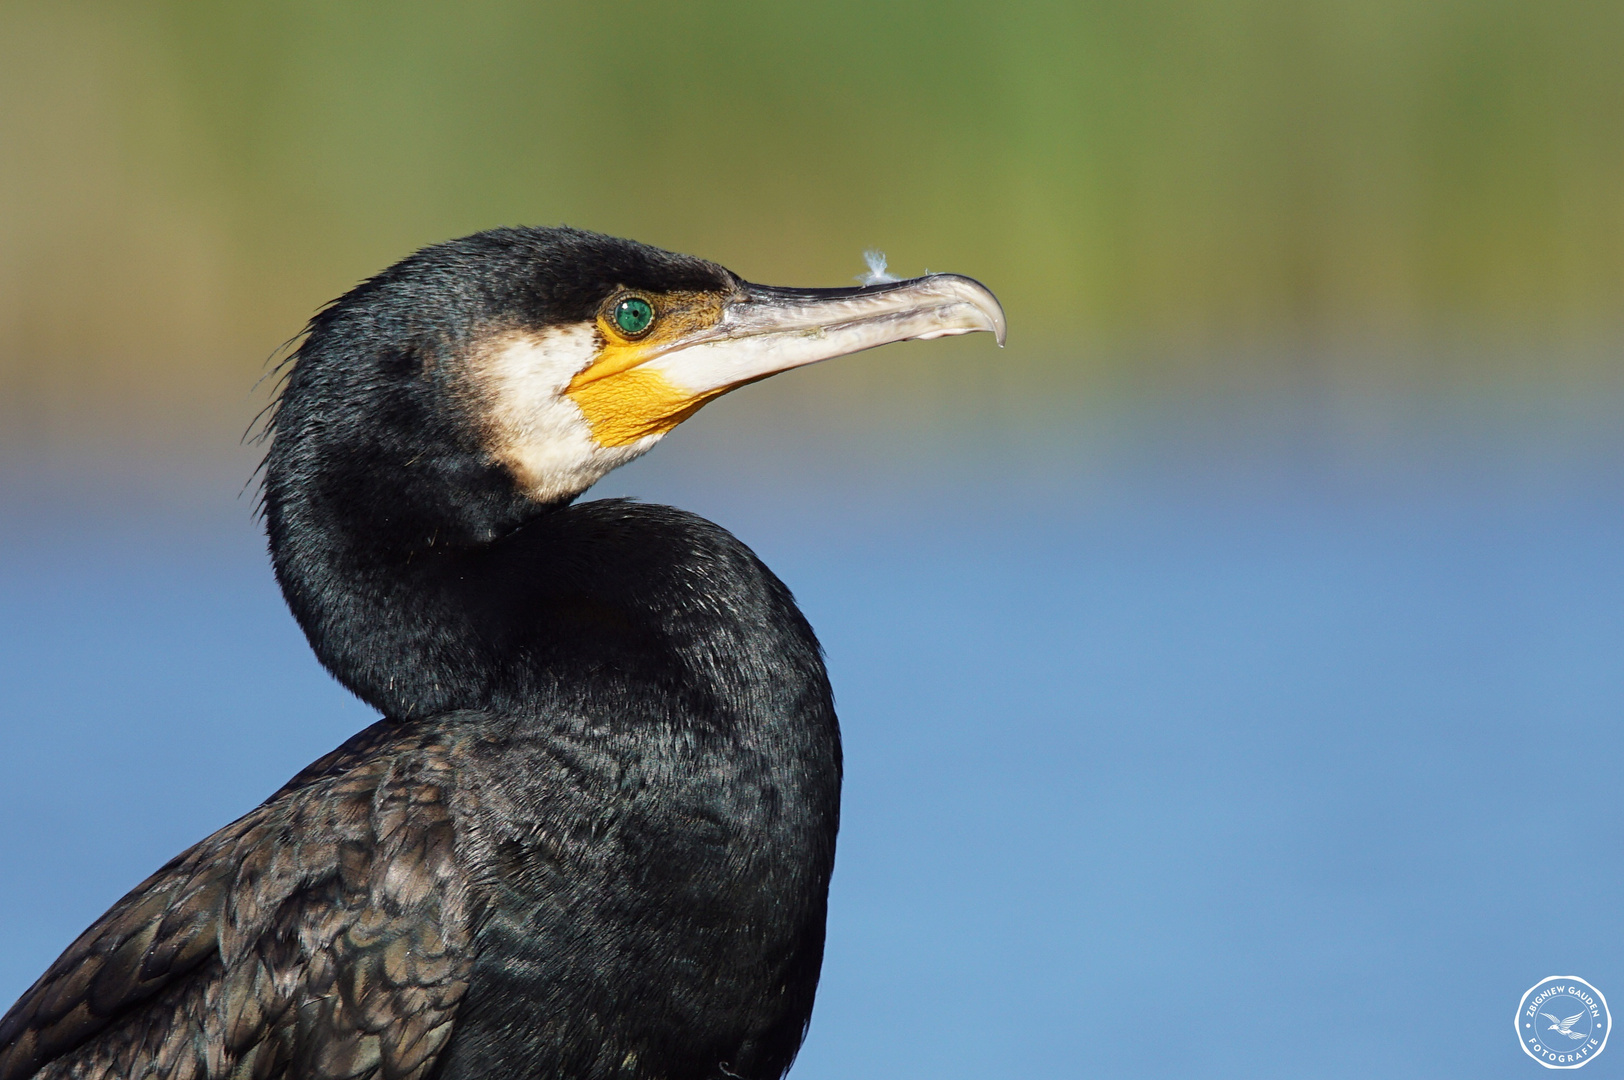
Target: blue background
(1260, 735)
(1230, 667)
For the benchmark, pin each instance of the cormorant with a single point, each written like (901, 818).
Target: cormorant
(592, 835)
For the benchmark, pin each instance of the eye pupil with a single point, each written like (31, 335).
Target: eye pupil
(633, 315)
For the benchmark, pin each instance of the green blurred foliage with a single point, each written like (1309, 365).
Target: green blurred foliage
(181, 183)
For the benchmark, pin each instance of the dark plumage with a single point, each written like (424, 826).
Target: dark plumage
(593, 835)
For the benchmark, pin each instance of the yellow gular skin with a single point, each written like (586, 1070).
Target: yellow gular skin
(623, 402)
(633, 405)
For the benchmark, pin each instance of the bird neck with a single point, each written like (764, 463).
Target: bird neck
(601, 606)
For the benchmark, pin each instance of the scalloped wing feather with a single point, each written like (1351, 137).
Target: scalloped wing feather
(327, 934)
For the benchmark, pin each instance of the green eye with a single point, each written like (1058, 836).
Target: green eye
(633, 315)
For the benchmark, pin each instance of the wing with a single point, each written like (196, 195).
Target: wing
(1551, 1018)
(1570, 1021)
(366, 743)
(325, 934)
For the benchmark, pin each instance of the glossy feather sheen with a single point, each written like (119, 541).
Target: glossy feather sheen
(626, 880)
(593, 835)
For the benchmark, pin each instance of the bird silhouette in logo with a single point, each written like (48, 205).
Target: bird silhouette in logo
(1562, 1026)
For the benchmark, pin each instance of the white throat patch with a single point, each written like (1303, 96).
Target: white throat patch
(530, 424)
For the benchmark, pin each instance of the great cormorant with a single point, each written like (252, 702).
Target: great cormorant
(592, 835)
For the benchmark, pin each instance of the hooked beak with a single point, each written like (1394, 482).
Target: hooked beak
(763, 330)
(769, 330)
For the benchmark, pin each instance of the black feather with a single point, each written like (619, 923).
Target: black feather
(592, 836)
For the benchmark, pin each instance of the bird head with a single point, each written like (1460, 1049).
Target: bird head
(518, 366)
(437, 411)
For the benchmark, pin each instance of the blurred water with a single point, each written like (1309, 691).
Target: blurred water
(1259, 732)
(1223, 739)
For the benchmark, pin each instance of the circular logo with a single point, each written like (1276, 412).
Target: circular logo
(1562, 1022)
